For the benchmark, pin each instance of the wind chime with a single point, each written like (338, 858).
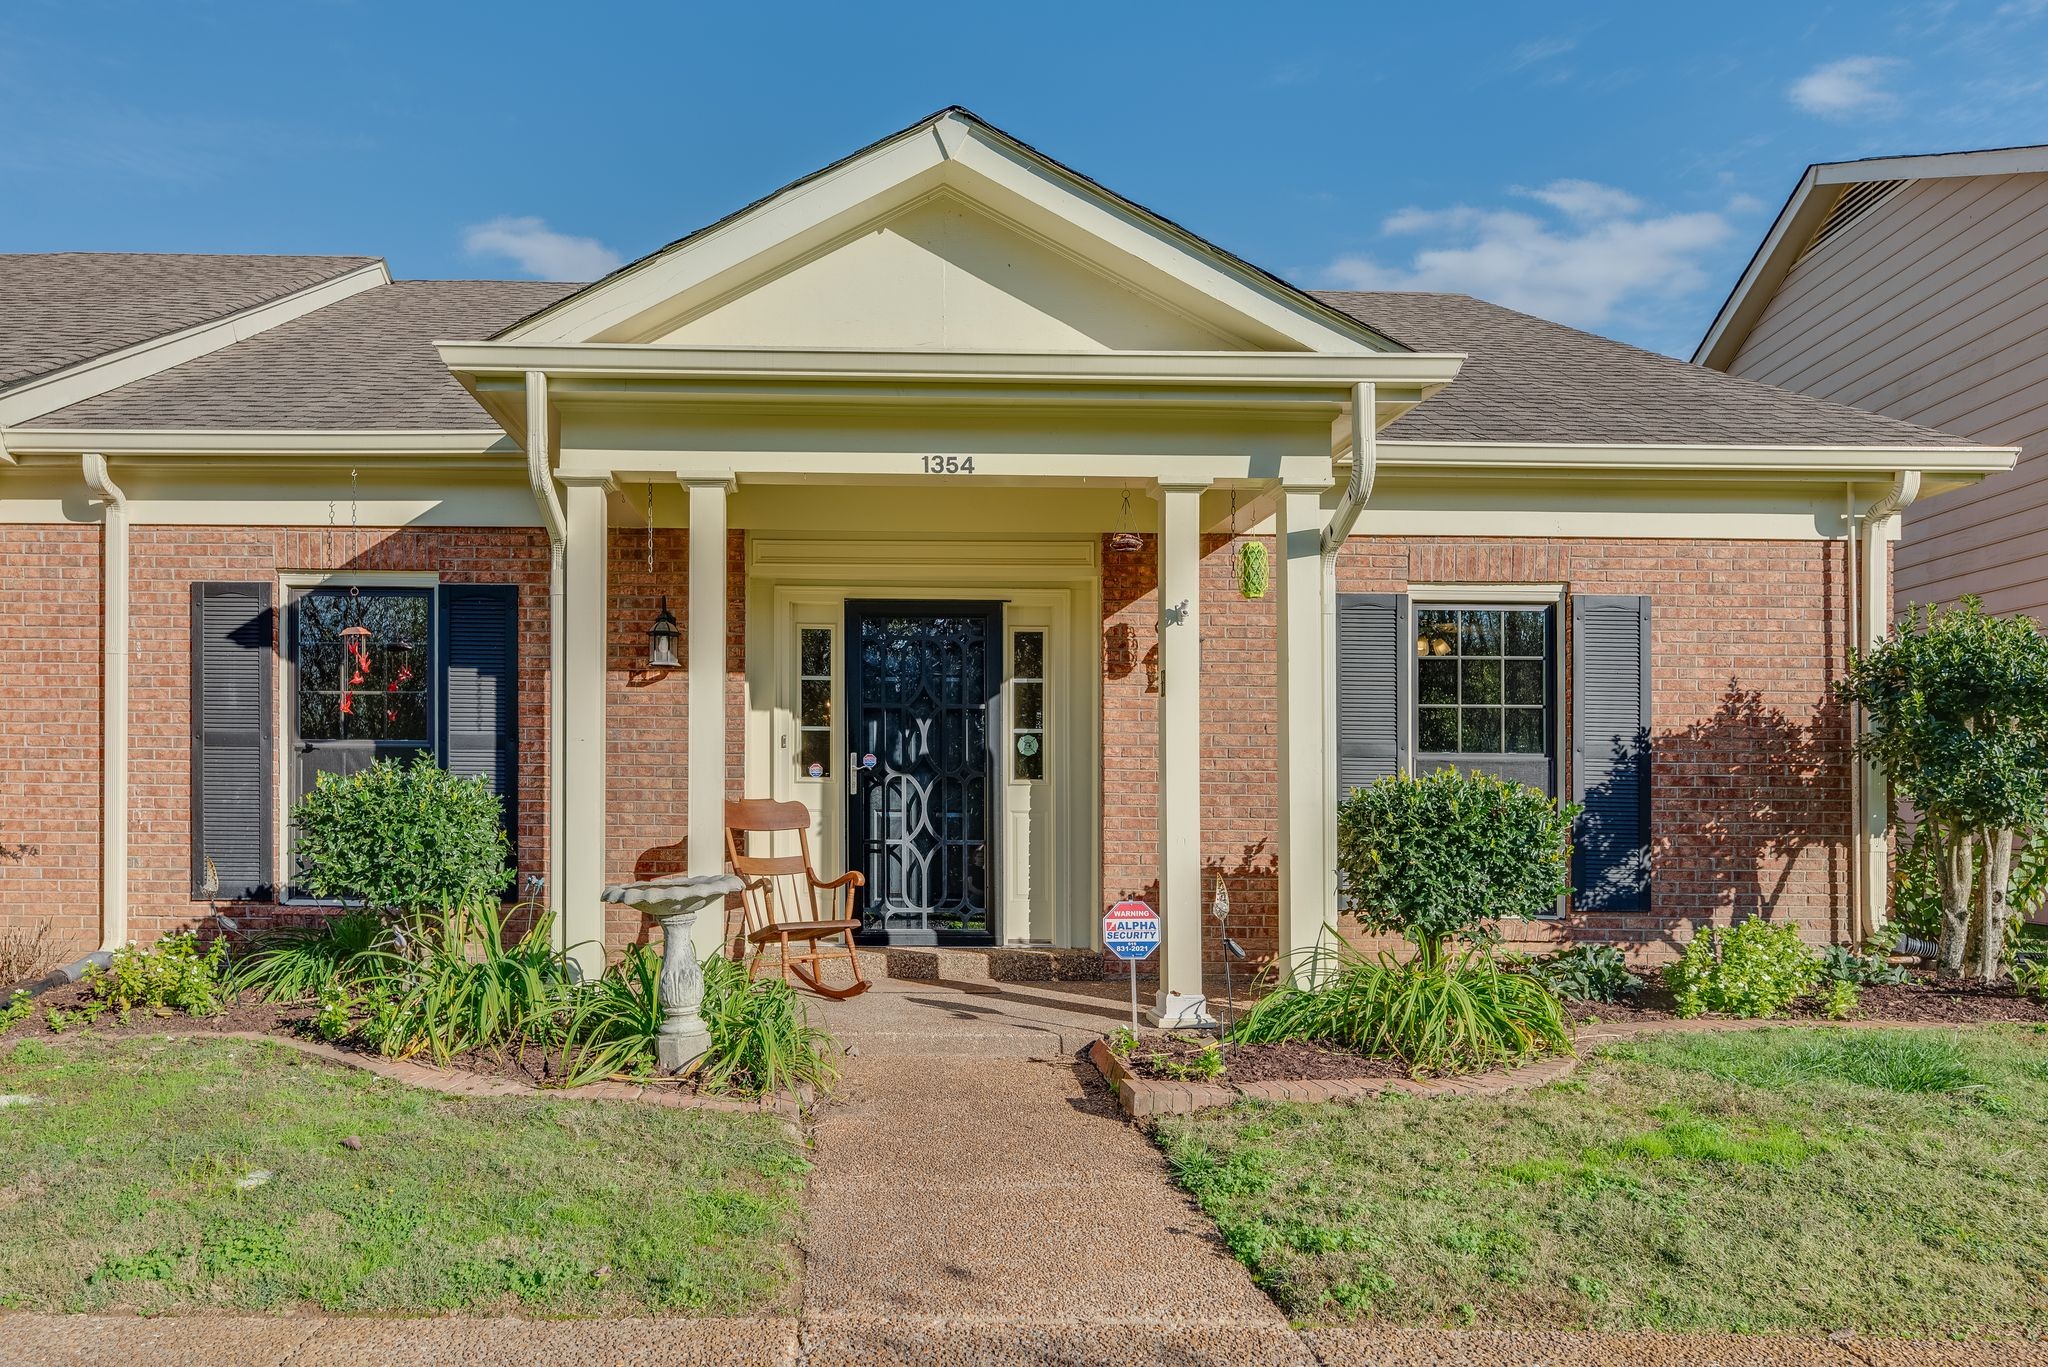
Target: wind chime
(1254, 571)
(357, 665)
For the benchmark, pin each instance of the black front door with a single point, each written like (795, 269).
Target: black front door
(922, 684)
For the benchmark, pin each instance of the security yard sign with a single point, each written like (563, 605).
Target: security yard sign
(1131, 932)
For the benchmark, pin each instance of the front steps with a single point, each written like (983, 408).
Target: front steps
(998, 964)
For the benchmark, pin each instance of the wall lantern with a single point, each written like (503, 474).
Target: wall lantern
(662, 638)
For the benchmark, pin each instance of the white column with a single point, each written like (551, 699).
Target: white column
(706, 664)
(1307, 868)
(1872, 849)
(584, 650)
(1180, 1001)
(113, 701)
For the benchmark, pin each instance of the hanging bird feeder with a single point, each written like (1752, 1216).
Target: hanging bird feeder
(1123, 539)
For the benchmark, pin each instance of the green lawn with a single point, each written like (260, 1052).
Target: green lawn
(178, 1173)
(1893, 1182)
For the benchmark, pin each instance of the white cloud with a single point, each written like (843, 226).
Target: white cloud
(1543, 49)
(1848, 88)
(539, 250)
(1597, 253)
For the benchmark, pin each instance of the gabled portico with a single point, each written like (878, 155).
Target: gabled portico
(949, 340)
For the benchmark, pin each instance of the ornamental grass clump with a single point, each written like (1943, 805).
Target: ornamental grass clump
(1752, 970)
(1460, 1013)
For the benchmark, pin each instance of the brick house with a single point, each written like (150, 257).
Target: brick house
(941, 461)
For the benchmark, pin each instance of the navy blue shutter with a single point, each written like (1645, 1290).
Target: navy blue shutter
(479, 711)
(1611, 752)
(234, 756)
(1372, 688)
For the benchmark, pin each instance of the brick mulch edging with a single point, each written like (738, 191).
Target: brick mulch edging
(453, 1083)
(1143, 1098)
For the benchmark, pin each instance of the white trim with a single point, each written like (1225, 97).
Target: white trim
(368, 579)
(1487, 593)
(114, 633)
(958, 151)
(97, 375)
(1782, 461)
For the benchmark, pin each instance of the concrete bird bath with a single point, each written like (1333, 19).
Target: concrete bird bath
(675, 903)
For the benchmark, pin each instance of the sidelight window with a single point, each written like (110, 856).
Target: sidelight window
(814, 702)
(1027, 693)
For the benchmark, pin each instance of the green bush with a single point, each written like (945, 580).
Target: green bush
(1457, 1014)
(1448, 855)
(410, 838)
(1587, 973)
(1755, 969)
(173, 973)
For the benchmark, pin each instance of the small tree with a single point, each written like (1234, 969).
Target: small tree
(1957, 710)
(1450, 854)
(411, 838)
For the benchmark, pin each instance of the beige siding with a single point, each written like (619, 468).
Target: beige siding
(1933, 307)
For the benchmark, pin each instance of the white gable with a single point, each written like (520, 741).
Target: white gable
(947, 236)
(943, 275)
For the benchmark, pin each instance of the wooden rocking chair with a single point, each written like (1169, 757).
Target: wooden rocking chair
(781, 901)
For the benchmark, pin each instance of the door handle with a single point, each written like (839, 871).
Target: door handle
(853, 773)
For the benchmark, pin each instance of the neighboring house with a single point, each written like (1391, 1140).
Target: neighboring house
(1918, 287)
(909, 449)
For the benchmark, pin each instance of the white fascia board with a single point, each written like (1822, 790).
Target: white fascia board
(1995, 161)
(226, 442)
(809, 207)
(1602, 458)
(1767, 269)
(950, 151)
(1192, 368)
(102, 373)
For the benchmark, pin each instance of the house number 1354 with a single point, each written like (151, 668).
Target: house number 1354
(949, 465)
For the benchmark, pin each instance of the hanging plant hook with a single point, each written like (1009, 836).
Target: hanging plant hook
(1123, 538)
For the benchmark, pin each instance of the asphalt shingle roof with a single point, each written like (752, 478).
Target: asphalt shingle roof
(60, 308)
(365, 363)
(1528, 380)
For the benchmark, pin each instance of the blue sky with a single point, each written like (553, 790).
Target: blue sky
(1608, 165)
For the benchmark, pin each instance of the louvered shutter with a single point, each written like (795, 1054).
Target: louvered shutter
(1372, 688)
(233, 740)
(480, 688)
(1611, 752)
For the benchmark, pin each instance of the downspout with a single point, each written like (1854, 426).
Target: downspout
(1873, 616)
(113, 702)
(541, 478)
(1861, 927)
(1364, 468)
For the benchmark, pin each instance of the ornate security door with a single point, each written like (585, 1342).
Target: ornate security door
(923, 685)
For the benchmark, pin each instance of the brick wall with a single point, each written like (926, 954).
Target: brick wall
(1750, 771)
(647, 714)
(166, 561)
(50, 735)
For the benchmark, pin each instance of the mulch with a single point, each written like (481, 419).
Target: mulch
(1292, 1062)
(1923, 1000)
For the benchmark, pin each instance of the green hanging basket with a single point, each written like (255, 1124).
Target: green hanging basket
(1253, 570)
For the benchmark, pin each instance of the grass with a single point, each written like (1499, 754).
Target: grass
(177, 1174)
(1793, 1180)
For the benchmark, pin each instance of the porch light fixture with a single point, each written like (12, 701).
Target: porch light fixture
(662, 638)
(663, 635)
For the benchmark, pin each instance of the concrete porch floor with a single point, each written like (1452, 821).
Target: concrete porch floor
(975, 1003)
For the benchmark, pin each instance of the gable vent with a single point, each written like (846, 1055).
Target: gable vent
(1855, 202)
